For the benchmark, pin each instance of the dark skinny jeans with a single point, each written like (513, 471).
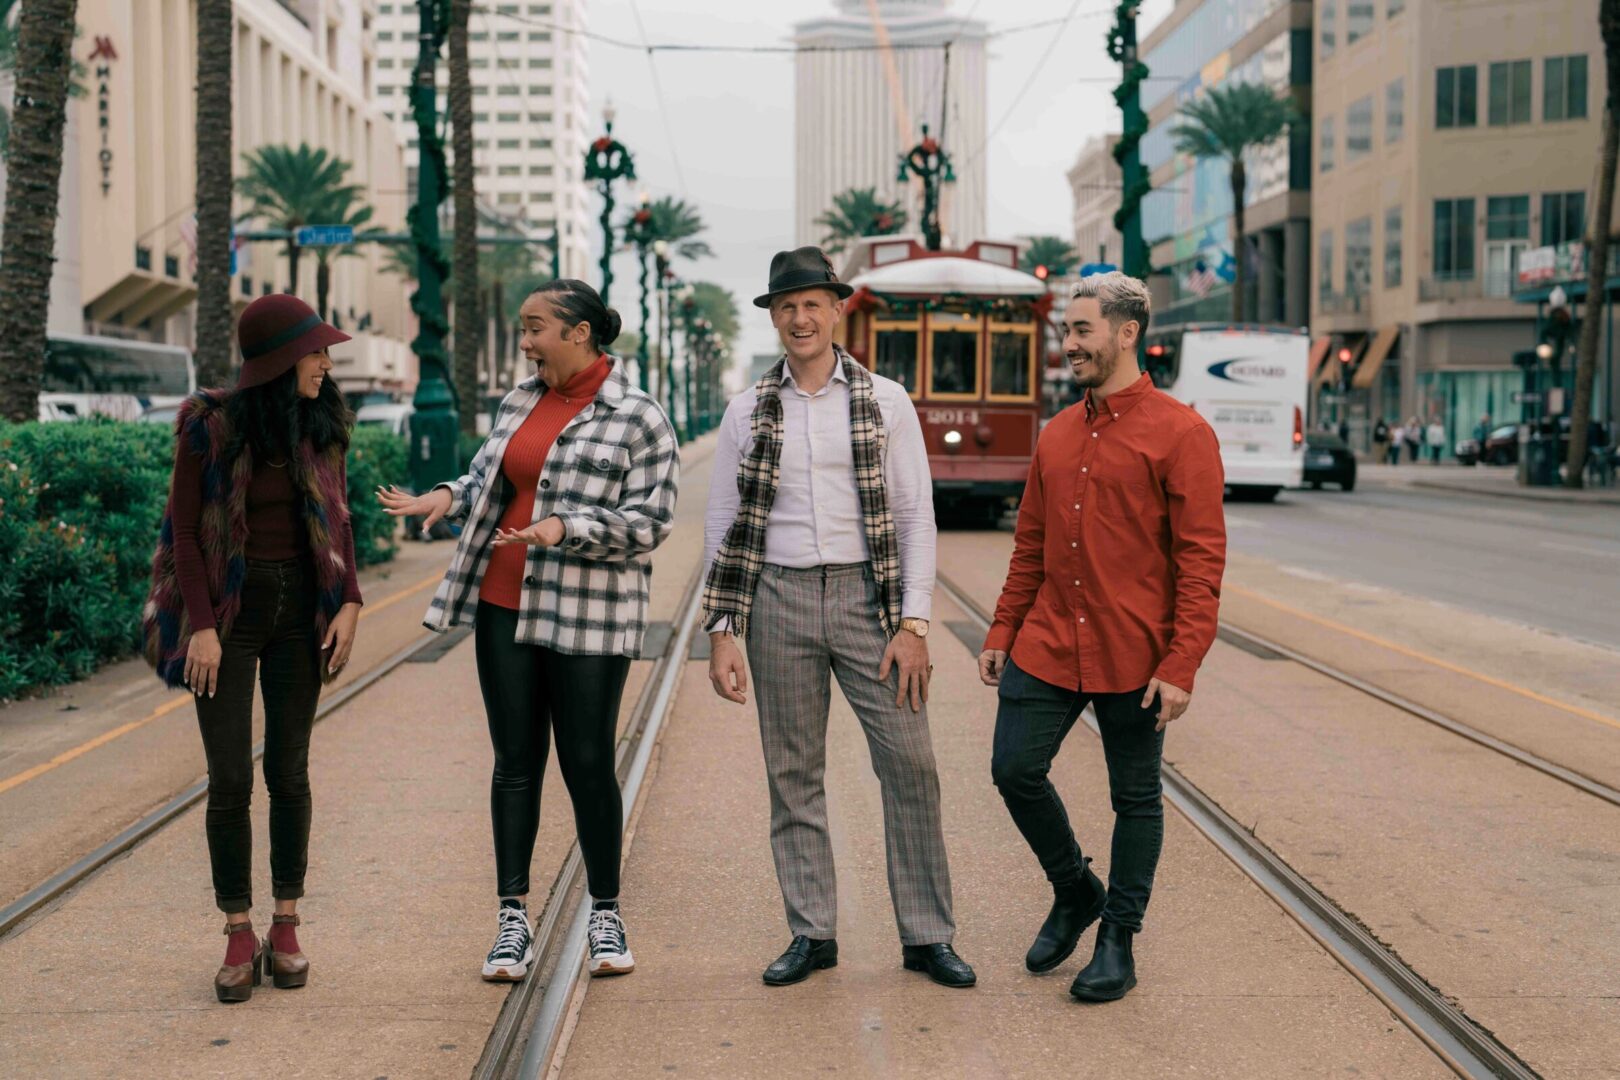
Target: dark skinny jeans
(529, 692)
(1032, 721)
(274, 634)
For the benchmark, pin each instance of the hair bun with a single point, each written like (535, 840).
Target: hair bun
(610, 329)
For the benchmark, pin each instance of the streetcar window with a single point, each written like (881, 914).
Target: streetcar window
(896, 357)
(954, 363)
(1012, 359)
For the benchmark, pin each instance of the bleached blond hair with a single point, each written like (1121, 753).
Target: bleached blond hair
(1122, 298)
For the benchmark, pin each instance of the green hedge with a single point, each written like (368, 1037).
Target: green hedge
(80, 506)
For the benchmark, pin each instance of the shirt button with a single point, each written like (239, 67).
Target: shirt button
(1074, 545)
(1077, 584)
(1116, 416)
(531, 581)
(1077, 506)
(545, 483)
(1094, 434)
(1084, 469)
(1082, 618)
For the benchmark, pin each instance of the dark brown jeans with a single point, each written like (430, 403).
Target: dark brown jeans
(274, 635)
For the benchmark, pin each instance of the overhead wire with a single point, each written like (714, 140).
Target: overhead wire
(663, 103)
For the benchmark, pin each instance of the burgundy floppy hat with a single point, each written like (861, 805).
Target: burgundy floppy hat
(277, 331)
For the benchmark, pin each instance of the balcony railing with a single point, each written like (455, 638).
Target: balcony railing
(1343, 303)
(1449, 287)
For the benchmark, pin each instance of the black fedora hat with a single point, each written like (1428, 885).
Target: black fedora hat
(803, 268)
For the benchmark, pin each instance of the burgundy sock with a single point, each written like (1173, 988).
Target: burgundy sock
(284, 937)
(239, 946)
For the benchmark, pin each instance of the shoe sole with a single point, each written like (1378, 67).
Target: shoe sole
(509, 972)
(819, 965)
(918, 965)
(1095, 997)
(612, 965)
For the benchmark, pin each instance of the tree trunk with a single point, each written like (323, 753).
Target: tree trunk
(498, 373)
(464, 256)
(1240, 183)
(293, 254)
(1597, 253)
(33, 180)
(323, 285)
(215, 23)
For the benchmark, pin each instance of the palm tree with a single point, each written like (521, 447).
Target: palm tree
(33, 180)
(345, 207)
(288, 188)
(8, 68)
(1597, 253)
(464, 250)
(1052, 252)
(1227, 123)
(856, 213)
(214, 30)
(679, 225)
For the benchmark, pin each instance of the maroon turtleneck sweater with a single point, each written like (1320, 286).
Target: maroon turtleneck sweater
(276, 532)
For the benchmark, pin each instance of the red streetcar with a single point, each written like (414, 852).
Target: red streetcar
(963, 332)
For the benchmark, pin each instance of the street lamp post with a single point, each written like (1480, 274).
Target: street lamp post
(434, 455)
(932, 165)
(639, 233)
(606, 161)
(680, 386)
(1134, 125)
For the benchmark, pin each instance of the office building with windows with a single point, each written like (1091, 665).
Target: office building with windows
(531, 113)
(1450, 138)
(1187, 219)
(1096, 184)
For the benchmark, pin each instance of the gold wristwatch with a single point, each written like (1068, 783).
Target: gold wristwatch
(915, 626)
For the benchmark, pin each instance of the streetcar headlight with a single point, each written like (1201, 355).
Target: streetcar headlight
(953, 441)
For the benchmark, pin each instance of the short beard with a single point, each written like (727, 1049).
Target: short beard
(1102, 368)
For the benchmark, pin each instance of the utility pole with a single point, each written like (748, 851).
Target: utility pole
(434, 453)
(932, 165)
(1128, 95)
(607, 160)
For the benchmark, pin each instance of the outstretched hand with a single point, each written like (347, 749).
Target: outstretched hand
(429, 507)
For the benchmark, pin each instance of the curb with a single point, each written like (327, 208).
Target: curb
(1522, 496)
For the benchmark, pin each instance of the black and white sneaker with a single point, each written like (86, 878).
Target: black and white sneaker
(610, 955)
(513, 952)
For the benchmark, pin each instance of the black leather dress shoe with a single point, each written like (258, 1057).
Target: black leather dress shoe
(802, 957)
(941, 963)
(1075, 907)
(1112, 972)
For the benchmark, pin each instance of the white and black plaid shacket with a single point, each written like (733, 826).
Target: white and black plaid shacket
(611, 478)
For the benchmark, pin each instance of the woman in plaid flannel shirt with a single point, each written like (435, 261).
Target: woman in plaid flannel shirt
(573, 489)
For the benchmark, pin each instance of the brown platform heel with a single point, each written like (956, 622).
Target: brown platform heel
(287, 970)
(235, 982)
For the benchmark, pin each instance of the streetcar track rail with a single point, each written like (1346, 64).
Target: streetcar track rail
(1466, 1047)
(525, 1034)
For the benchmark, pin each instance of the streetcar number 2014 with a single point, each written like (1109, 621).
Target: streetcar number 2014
(951, 416)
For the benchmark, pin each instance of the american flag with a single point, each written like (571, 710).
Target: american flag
(1200, 280)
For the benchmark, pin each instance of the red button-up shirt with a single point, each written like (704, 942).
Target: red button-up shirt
(1116, 569)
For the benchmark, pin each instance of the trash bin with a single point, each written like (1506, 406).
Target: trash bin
(1538, 458)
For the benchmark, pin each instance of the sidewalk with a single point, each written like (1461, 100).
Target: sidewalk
(1492, 480)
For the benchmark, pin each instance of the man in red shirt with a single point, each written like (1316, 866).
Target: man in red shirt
(1111, 600)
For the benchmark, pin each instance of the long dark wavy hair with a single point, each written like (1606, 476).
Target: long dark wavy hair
(272, 419)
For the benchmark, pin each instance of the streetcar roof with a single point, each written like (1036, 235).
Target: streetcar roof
(948, 274)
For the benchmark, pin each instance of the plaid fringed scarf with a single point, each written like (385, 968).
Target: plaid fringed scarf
(729, 590)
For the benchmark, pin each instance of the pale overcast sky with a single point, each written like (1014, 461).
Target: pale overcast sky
(728, 147)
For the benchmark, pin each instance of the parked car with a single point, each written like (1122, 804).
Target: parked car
(395, 416)
(1328, 460)
(1501, 448)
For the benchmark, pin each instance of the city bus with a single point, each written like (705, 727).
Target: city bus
(103, 376)
(1250, 383)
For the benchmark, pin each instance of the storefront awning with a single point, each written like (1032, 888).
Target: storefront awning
(1321, 367)
(1376, 355)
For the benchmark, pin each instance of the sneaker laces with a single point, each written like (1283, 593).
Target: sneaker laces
(514, 934)
(605, 932)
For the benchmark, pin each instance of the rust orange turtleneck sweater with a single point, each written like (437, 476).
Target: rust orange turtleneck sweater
(525, 457)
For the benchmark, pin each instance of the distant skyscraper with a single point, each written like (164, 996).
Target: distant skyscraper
(856, 111)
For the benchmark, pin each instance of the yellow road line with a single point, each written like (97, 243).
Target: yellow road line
(1456, 669)
(172, 704)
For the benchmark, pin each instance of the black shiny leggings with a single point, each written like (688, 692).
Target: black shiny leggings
(529, 692)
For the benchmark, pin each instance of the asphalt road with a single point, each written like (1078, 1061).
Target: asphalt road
(1553, 566)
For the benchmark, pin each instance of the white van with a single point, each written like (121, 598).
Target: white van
(1250, 383)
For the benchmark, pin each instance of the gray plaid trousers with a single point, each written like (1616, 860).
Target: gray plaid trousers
(809, 625)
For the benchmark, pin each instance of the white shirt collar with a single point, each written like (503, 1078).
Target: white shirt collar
(839, 374)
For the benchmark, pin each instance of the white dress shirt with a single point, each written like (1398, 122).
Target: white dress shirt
(816, 518)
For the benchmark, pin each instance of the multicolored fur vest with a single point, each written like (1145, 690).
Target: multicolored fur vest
(203, 429)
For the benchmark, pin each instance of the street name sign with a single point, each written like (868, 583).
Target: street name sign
(324, 235)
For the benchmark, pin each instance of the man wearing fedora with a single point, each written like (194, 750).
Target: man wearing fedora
(821, 556)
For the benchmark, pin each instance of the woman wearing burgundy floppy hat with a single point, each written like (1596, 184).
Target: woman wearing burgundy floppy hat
(254, 571)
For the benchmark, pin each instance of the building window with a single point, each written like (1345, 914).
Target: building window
(1392, 247)
(539, 9)
(508, 63)
(1565, 90)
(1456, 97)
(1507, 235)
(1358, 130)
(171, 266)
(1454, 239)
(385, 9)
(388, 91)
(385, 35)
(478, 62)
(510, 117)
(509, 144)
(539, 35)
(539, 144)
(1395, 111)
(508, 35)
(539, 61)
(480, 117)
(1563, 217)
(1510, 93)
(1359, 18)
(540, 196)
(1327, 25)
(506, 9)
(508, 198)
(478, 35)
(1324, 267)
(1324, 145)
(507, 91)
(541, 170)
(540, 117)
(509, 170)
(480, 144)
(541, 91)
(143, 257)
(1358, 237)
(1396, 7)
(386, 63)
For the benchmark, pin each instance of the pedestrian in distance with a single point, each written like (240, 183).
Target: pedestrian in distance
(1381, 441)
(821, 557)
(1397, 439)
(571, 492)
(1414, 440)
(1111, 600)
(254, 574)
(1436, 438)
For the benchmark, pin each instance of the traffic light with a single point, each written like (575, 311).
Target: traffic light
(1345, 355)
(1042, 272)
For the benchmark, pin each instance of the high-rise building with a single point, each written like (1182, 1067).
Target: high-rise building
(1187, 220)
(1096, 183)
(531, 104)
(1450, 139)
(868, 77)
